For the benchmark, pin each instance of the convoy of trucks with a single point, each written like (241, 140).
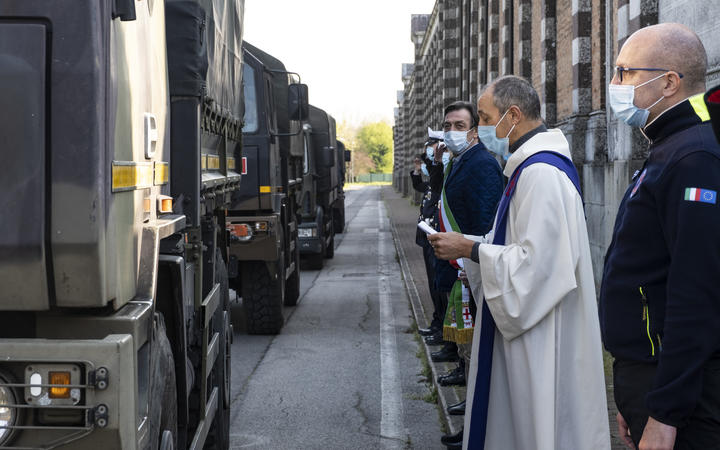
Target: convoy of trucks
(156, 171)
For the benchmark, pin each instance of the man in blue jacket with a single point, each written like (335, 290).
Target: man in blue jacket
(472, 190)
(659, 300)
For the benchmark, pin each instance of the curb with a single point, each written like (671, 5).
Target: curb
(447, 395)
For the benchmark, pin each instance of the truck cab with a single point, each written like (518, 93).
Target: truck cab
(264, 214)
(322, 197)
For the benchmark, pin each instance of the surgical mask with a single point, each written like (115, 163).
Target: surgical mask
(445, 159)
(622, 102)
(430, 152)
(488, 136)
(423, 169)
(456, 141)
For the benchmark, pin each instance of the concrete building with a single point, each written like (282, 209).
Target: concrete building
(567, 49)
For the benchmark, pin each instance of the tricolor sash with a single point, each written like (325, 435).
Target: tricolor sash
(481, 395)
(458, 324)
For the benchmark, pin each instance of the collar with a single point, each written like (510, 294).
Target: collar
(689, 112)
(552, 140)
(526, 137)
(459, 156)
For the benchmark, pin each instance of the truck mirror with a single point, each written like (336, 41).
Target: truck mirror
(348, 156)
(328, 157)
(124, 9)
(298, 103)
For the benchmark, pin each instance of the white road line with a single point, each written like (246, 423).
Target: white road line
(391, 421)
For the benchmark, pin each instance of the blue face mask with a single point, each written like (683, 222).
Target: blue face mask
(445, 159)
(430, 152)
(424, 170)
(622, 102)
(488, 136)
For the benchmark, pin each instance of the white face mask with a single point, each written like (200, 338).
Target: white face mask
(430, 152)
(488, 136)
(456, 141)
(445, 158)
(423, 169)
(622, 102)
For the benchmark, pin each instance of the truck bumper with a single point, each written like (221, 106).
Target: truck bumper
(263, 245)
(310, 246)
(106, 414)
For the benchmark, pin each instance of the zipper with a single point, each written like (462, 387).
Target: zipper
(646, 319)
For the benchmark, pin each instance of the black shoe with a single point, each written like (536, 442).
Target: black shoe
(453, 378)
(428, 331)
(458, 409)
(449, 439)
(435, 339)
(453, 446)
(446, 354)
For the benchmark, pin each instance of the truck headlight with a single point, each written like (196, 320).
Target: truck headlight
(8, 414)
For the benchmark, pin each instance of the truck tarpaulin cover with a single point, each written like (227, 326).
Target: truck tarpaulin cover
(204, 39)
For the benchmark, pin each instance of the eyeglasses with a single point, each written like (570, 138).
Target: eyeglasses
(619, 70)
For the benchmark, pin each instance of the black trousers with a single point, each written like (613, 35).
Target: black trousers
(633, 380)
(439, 306)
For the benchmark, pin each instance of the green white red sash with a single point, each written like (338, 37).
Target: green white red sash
(458, 324)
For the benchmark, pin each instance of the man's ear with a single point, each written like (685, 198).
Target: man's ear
(516, 115)
(672, 84)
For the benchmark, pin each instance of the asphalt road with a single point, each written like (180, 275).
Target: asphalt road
(343, 374)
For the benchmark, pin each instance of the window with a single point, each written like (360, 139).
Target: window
(250, 93)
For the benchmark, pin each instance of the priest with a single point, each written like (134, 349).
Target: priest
(537, 379)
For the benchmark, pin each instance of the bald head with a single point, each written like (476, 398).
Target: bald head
(670, 46)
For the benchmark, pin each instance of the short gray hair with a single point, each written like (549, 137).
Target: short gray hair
(513, 90)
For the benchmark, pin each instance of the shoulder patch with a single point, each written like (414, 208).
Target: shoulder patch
(638, 183)
(693, 194)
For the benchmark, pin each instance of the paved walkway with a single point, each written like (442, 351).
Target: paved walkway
(403, 217)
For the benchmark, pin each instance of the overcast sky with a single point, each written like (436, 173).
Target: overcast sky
(348, 52)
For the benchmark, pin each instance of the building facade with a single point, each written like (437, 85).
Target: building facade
(566, 49)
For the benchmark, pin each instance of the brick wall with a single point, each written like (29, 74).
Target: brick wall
(567, 48)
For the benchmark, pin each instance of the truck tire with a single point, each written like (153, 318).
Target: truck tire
(330, 247)
(292, 285)
(339, 218)
(262, 298)
(219, 434)
(163, 403)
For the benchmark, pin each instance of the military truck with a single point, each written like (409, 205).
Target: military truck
(343, 156)
(265, 261)
(121, 125)
(323, 199)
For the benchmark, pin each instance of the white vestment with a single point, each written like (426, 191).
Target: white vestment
(547, 385)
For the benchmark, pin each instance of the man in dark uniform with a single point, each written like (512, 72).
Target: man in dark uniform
(659, 300)
(431, 189)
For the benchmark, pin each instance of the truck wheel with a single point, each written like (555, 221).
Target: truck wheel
(339, 219)
(262, 298)
(163, 403)
(330, 248)
(219, 434)
(292, 285)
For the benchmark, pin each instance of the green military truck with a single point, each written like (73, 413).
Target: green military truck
(323, 201)
(121, 125)
(264, 214)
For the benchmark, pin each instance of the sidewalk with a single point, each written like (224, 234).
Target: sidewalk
(403, 218)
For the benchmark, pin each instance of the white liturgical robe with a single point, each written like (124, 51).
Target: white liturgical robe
(547, 387)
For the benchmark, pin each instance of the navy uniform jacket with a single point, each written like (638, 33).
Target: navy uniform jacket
(431, 195)
(473, 188)
(660, 294)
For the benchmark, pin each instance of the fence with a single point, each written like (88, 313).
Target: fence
(374, 178)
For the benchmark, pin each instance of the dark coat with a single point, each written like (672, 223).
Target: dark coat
(473, 187)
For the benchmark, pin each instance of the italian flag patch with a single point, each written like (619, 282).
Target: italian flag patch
(700, 195)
